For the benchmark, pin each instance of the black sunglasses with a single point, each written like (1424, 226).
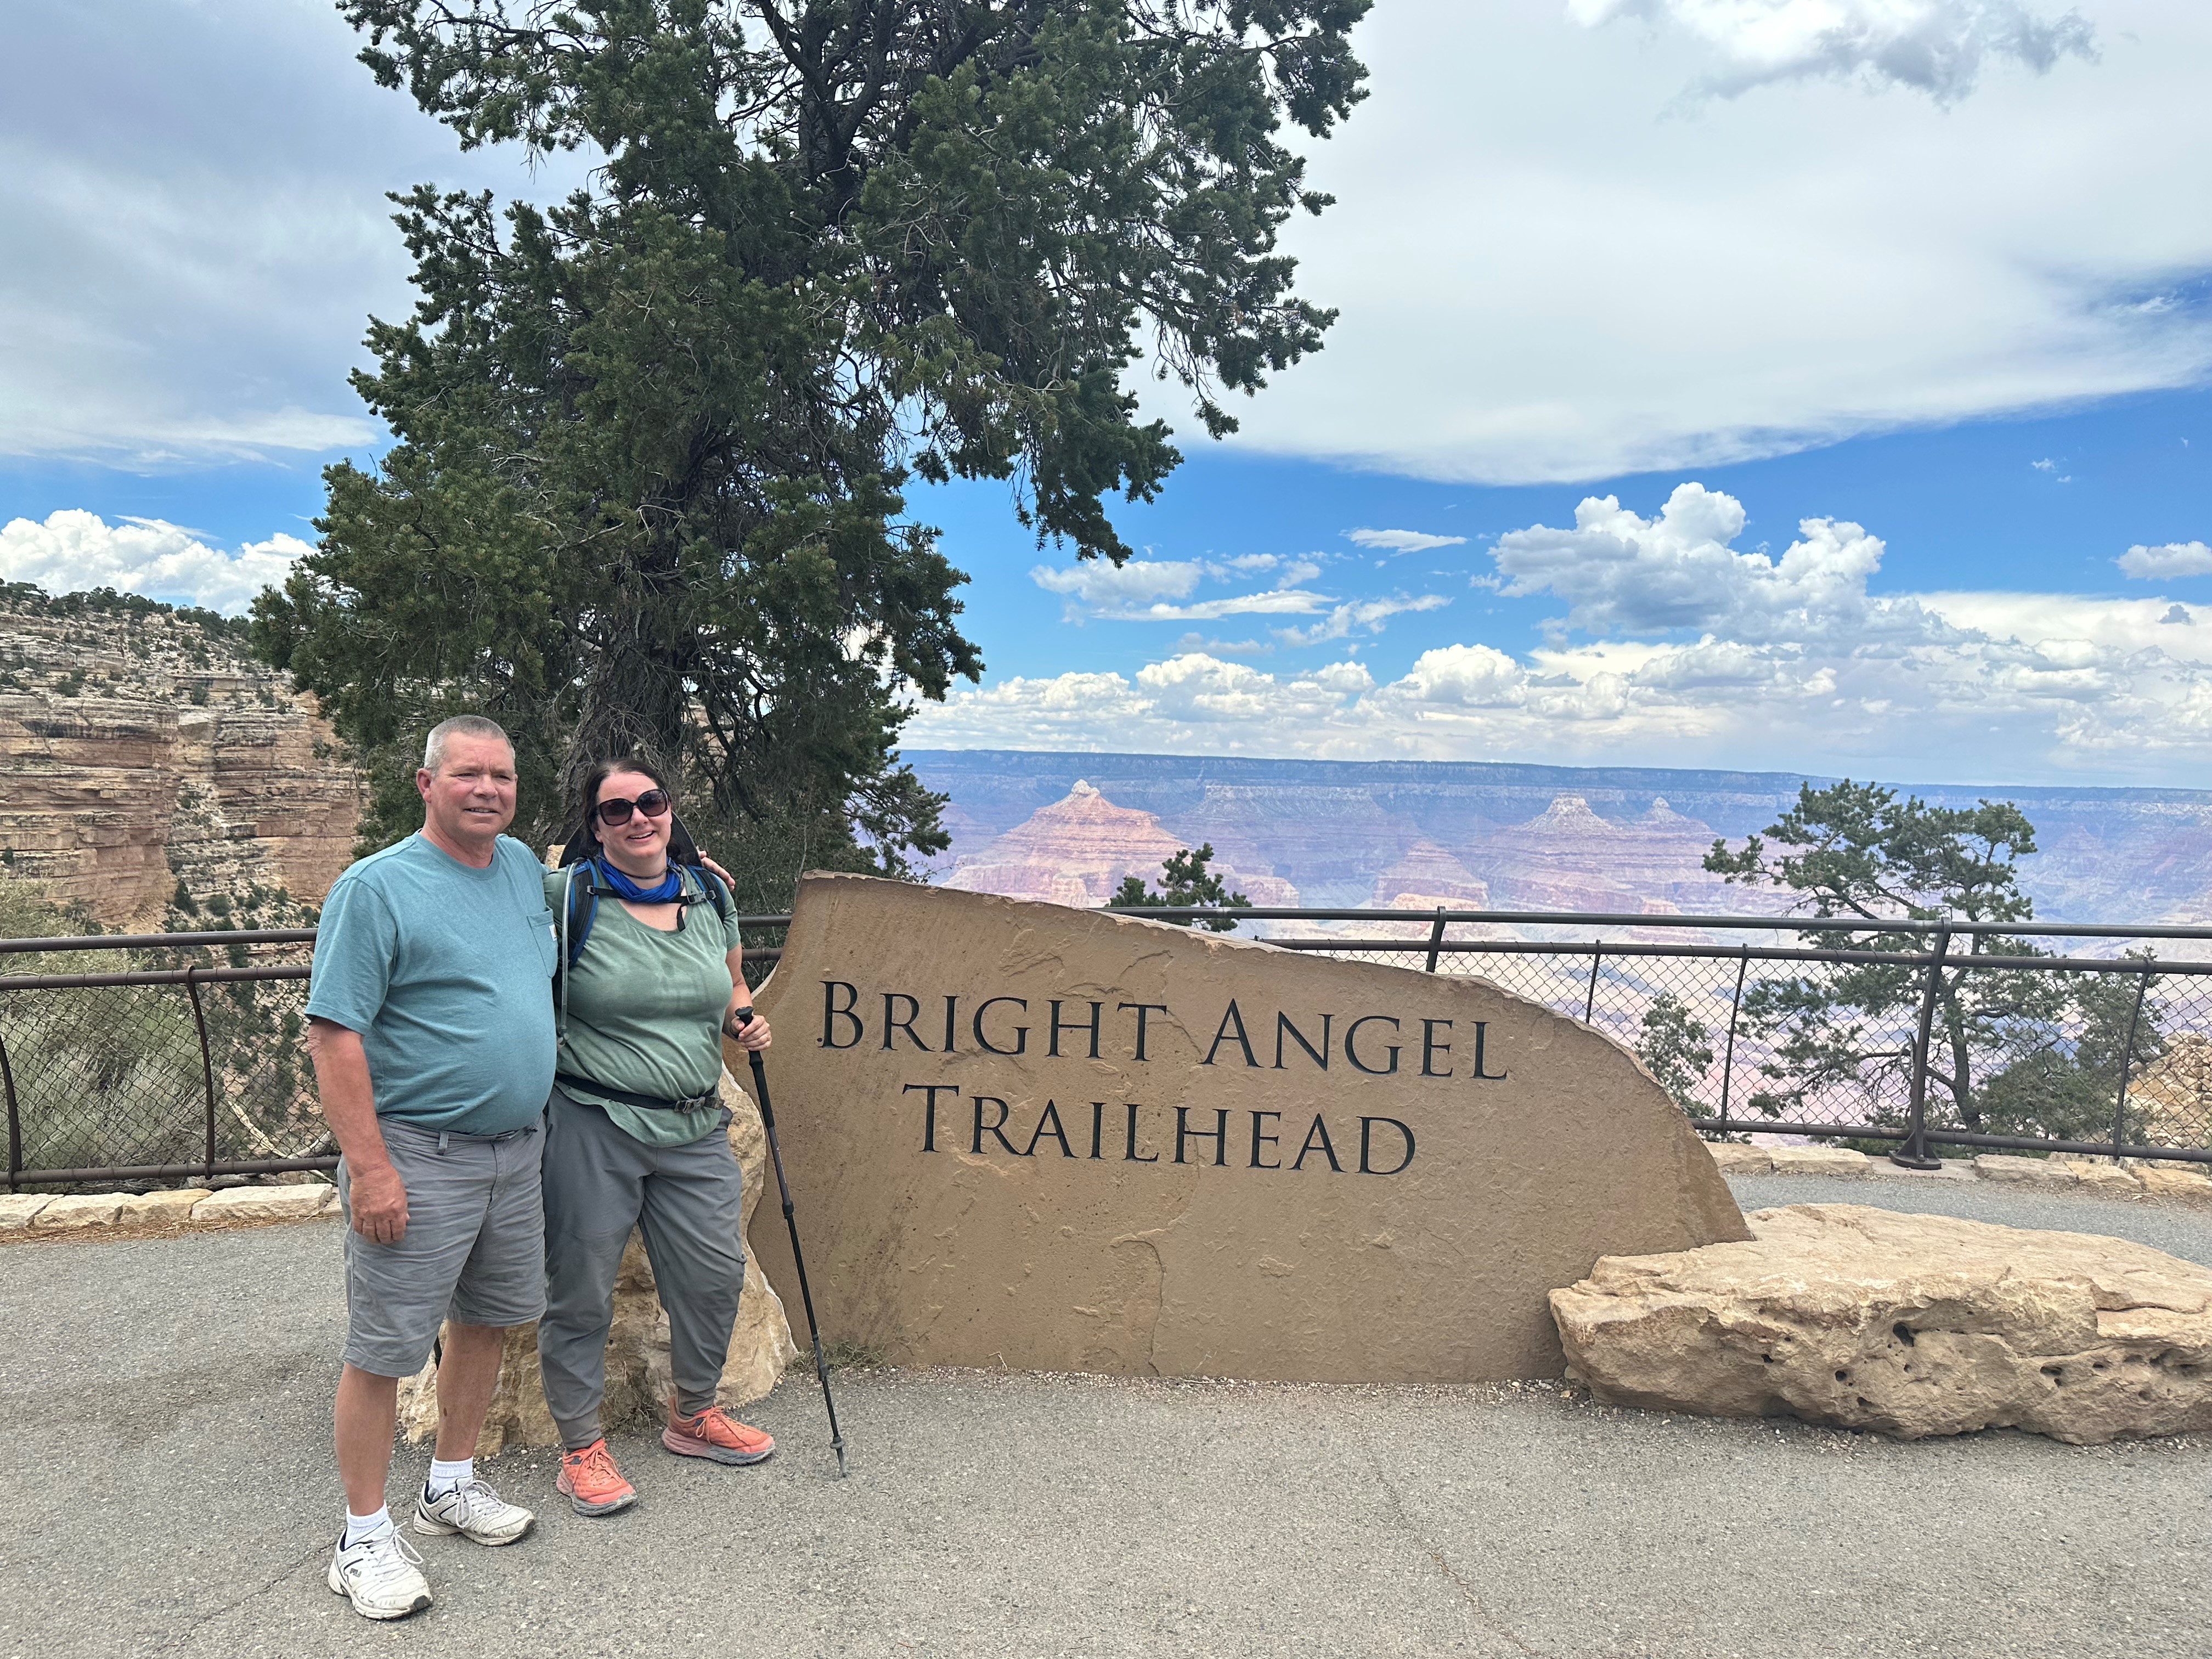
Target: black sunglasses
(653, 803)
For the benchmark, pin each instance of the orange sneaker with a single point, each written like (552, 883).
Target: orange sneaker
(711, 1434)
(590, 1481)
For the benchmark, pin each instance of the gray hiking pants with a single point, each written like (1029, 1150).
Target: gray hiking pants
(689, 1202)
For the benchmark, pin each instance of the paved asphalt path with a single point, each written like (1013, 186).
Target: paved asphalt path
(165, 1489)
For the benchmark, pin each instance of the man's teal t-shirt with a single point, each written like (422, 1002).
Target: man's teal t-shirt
(446, 972)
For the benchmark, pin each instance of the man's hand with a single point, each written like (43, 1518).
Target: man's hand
(751, 1032)
(374, 1192)
(378, 1198)
(713, 868)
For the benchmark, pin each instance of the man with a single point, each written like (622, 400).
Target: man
(431, 1030)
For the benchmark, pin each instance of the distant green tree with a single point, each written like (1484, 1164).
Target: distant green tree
(652, 442)
(1859, 850)
(1188, 883)
(2071, 1090)
(1672, 1045)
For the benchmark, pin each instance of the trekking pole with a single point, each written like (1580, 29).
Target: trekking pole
(807, 1295)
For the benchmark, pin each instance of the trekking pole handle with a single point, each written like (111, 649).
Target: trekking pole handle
(743, 1016)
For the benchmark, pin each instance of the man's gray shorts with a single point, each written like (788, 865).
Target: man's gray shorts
(474, 1250)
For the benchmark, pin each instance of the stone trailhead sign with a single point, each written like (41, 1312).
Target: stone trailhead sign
(1023, 1135)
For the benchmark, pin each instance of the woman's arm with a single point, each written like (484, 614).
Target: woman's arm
(751, 1032)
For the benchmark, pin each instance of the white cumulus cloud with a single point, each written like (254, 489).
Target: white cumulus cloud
(1677, 648)
(2174, 559)
(1622, 573)
(74, 550)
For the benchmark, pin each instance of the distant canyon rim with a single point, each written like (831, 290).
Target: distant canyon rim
(1414, 835)
(157, 776)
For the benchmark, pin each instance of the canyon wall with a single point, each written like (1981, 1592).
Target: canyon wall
(1415, 834)
(155, 775)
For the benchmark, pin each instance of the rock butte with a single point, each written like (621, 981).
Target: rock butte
(1025, 1135)
(1913, 1325)
(1077, 850)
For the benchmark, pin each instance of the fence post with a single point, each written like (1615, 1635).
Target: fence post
(1435, 937)
(14, 1122)
(1589, 1002)
(1913, 1154)
(2127, 1064)
(1728, 1064)
(207, 1060)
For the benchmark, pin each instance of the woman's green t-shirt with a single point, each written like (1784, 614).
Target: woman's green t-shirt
(644, 1014)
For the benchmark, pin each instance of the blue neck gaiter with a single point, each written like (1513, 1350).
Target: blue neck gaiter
(670, 887)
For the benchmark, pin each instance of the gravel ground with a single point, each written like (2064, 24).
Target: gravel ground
(167, 1491)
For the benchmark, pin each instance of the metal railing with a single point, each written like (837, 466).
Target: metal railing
(186, 1059)
(186, 1056)
(1980, 1048)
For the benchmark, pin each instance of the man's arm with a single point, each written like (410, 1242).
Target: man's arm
(378, 1197)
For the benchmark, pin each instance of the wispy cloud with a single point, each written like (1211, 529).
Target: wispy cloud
(1934, 47)
(1161, 591)
(1402, 541)
(1366, 616)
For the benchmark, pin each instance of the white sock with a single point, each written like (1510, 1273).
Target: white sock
(444, 1477)
(361, 1526)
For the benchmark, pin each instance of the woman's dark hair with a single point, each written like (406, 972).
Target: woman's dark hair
(581, 840)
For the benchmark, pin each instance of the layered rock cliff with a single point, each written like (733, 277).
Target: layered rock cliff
(155, 774)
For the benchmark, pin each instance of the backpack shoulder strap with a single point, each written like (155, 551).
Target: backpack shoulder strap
(711, 885)
(578, 912)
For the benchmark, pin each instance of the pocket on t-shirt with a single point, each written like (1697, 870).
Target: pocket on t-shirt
(549, 941)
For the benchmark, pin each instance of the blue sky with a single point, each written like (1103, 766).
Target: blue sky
(1886, 323)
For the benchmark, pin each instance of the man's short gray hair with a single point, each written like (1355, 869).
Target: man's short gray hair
(461, 725)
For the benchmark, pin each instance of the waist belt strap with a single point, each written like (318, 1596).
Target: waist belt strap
(649, 1103)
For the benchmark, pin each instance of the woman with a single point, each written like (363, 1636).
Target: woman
(650, 982)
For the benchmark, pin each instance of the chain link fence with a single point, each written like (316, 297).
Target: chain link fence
(1899, 1037)
(141, 1059)
(175, 1055)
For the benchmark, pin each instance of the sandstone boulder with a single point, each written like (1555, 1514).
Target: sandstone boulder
(1913, 1325)
(1742, 1160)
(172, 1207)
(1818, 1160)
(638, 1377)
(18, 1210)
(2108, 1180)
(1030, 1137)
(2026, 1171)
(79, 1210)
(263, 1204)
(2185, 1186)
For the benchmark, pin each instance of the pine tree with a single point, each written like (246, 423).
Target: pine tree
(651, 442)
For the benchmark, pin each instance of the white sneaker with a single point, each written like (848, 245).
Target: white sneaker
(381, 1575)
(473, 1509)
